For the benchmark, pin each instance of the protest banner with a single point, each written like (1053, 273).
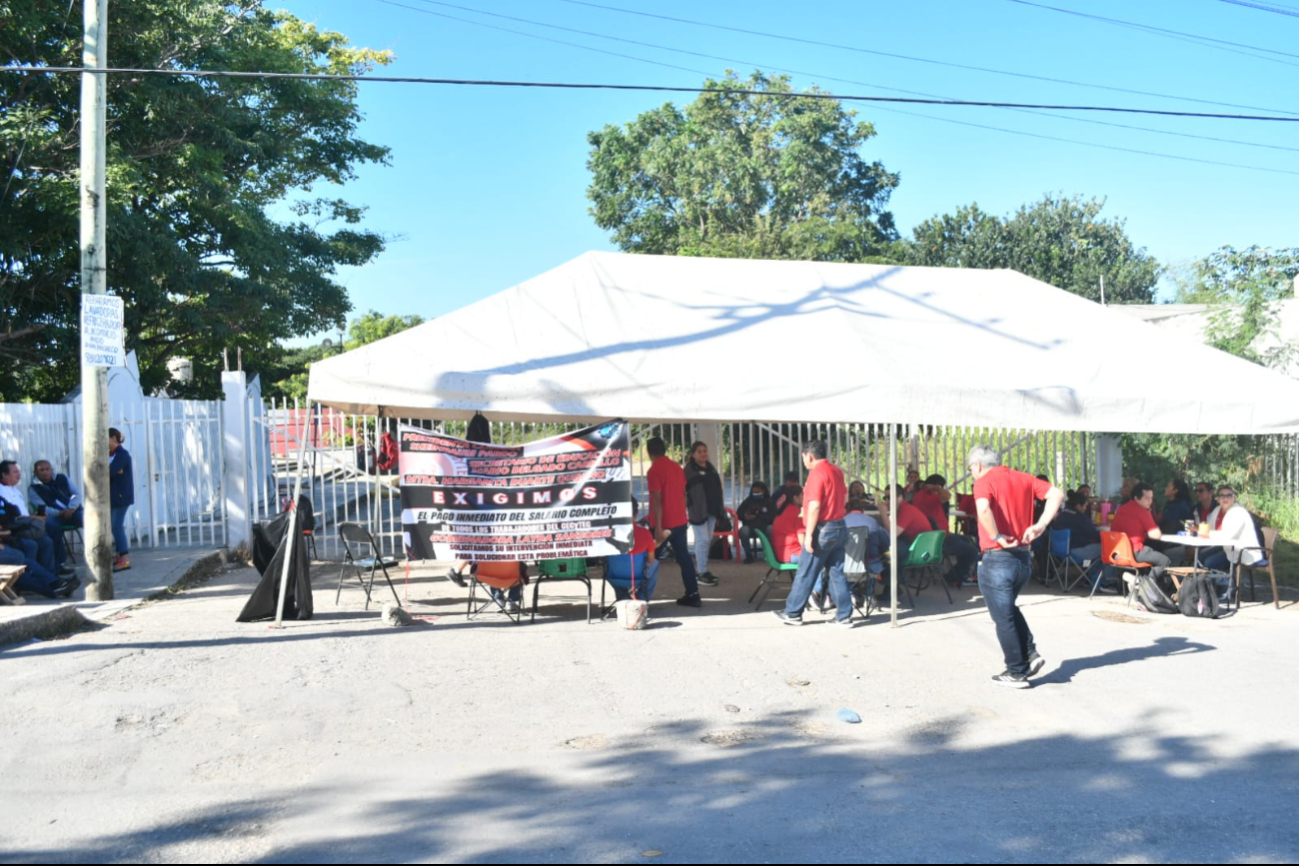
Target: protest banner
(566, 496)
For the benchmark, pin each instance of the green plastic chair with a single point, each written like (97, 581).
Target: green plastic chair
(774, 566)
(573, 568)
(926, 554)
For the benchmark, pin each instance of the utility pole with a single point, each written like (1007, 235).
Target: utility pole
(1102, 290)
(94, 265)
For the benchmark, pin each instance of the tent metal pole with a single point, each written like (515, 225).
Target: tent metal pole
(893, 522)
(291, 534)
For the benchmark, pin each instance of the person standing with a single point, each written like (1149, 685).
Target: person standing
(1004, 500)
(668, 519)
(704, 506)
(121, 496)
(825, 536)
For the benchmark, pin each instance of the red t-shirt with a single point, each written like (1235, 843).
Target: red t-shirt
(641, 540)
(931, 506)
(784, 533)
(1134, 521)
(825, 485)
(1011, 495)
(911, 522)
(666, 477)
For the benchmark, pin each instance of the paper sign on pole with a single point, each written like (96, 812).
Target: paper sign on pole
(103, 320)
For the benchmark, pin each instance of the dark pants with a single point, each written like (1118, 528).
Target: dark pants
(35, 578)
(40, 551)
(54, 526)
(1155, 558)
(827, 554)
(1002, 574)
(966, 553)
(748, 537)
(685, 558)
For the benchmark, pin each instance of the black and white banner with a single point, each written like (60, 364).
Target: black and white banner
(566, 496)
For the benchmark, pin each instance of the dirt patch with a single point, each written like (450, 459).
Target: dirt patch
(1114, 616)
(728, 739)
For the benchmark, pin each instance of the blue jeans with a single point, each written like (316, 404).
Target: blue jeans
(827, 553)
(515, 593)
(1002, 574)
(40, 552)
(120, 544)
(54, 526)
(35, 578)
(702, 541)
(681, 553)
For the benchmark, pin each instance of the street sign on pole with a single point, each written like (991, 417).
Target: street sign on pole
(103, 342)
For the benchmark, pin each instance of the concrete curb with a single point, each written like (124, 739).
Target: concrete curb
(71, 616)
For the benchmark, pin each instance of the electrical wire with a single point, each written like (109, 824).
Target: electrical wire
(912, 58)
(1265, 7)
(794, 72)
(661, 88)
(1150, 28)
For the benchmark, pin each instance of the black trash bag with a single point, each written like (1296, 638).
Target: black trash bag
(270, 546)
(480, 430)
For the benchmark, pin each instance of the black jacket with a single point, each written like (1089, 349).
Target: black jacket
(703, 492)
(763, 509)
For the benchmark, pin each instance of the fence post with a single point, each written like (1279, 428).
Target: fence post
(234, 459)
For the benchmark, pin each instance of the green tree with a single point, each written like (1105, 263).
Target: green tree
(193, 167)
(1244, 289)
(373, 326)
(1058, 240)
(739, 175)
(285, 374)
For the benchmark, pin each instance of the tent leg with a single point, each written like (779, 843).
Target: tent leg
(292, 530)
(893, 522)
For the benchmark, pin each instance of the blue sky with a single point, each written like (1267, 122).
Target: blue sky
(487, 185)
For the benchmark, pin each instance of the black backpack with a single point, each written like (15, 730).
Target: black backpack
(1149, 595)
(1199, 597)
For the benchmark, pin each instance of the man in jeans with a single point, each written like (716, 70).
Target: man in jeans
(1003, 501)
(824, 504)
(667, 492)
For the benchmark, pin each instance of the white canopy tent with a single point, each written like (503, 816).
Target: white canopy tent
(669, 338)
(677, 339)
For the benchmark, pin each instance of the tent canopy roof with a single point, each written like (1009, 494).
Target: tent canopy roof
(671, 339)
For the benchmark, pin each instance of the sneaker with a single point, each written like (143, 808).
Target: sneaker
(691, 600)
(1035, 664)
(844, 623)
(456, 577)
(511, 607)
(122, 563)
(707, 579)
(1011, 681)
(787, 619)
(69, 586)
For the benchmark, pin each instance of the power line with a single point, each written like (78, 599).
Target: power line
(1160, 30)
(915, 59)
(773, 67)
(1265, 7)
(662, 88)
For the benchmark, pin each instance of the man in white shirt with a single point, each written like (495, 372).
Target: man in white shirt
(46, 552)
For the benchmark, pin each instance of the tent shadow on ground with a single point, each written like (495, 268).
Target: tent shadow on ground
(777, 788)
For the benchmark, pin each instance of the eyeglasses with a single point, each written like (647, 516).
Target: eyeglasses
(1226, 496)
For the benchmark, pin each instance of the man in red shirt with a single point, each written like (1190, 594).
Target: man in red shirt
(668, 520)
(1135, 520)
(911, 520)
(825, 496)
(1004, 501)
(930, 499)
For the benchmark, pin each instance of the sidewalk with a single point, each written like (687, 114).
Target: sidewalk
(152, 570)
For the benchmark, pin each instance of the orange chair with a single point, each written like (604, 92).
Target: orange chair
(732, 535)
(1116, 550)
(502, 576)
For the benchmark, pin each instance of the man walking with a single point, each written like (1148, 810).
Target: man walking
(1004, 500)
(667, 491)
(824, 499)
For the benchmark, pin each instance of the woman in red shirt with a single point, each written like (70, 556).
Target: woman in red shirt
(787, 528)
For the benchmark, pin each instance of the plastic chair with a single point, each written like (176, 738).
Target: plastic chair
(1268, 564)
(573, 568)
(1116, 550)
(1060, 559)
(618, 571)
(926, 555)
(502, 576)
(356, 534)
(732, 535)
(774, 566)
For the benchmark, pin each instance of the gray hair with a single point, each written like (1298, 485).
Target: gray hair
(984, 455)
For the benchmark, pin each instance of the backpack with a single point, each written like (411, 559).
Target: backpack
(1199, 597)
(1150, 596)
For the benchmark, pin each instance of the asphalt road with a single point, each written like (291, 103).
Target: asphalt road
(178, 735)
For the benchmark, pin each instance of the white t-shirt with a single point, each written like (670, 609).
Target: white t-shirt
(12, 494)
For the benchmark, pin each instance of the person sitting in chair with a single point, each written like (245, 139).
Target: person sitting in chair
(642, 542)
(1234, 523)
(755, 512)
(787, 528)
(61, 501)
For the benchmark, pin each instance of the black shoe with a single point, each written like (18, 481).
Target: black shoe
(787, 619)
(67, 587)
(1035, 664)
(1011, 681)
(66, 570)
(691, 600)
(749, 560)
(456, 577)
(707, 579)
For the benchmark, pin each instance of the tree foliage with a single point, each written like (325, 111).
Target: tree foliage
(1244, 288)
(1058, 240)
(194, 165)
(738, 175)
(286, 375)
(374, 326)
